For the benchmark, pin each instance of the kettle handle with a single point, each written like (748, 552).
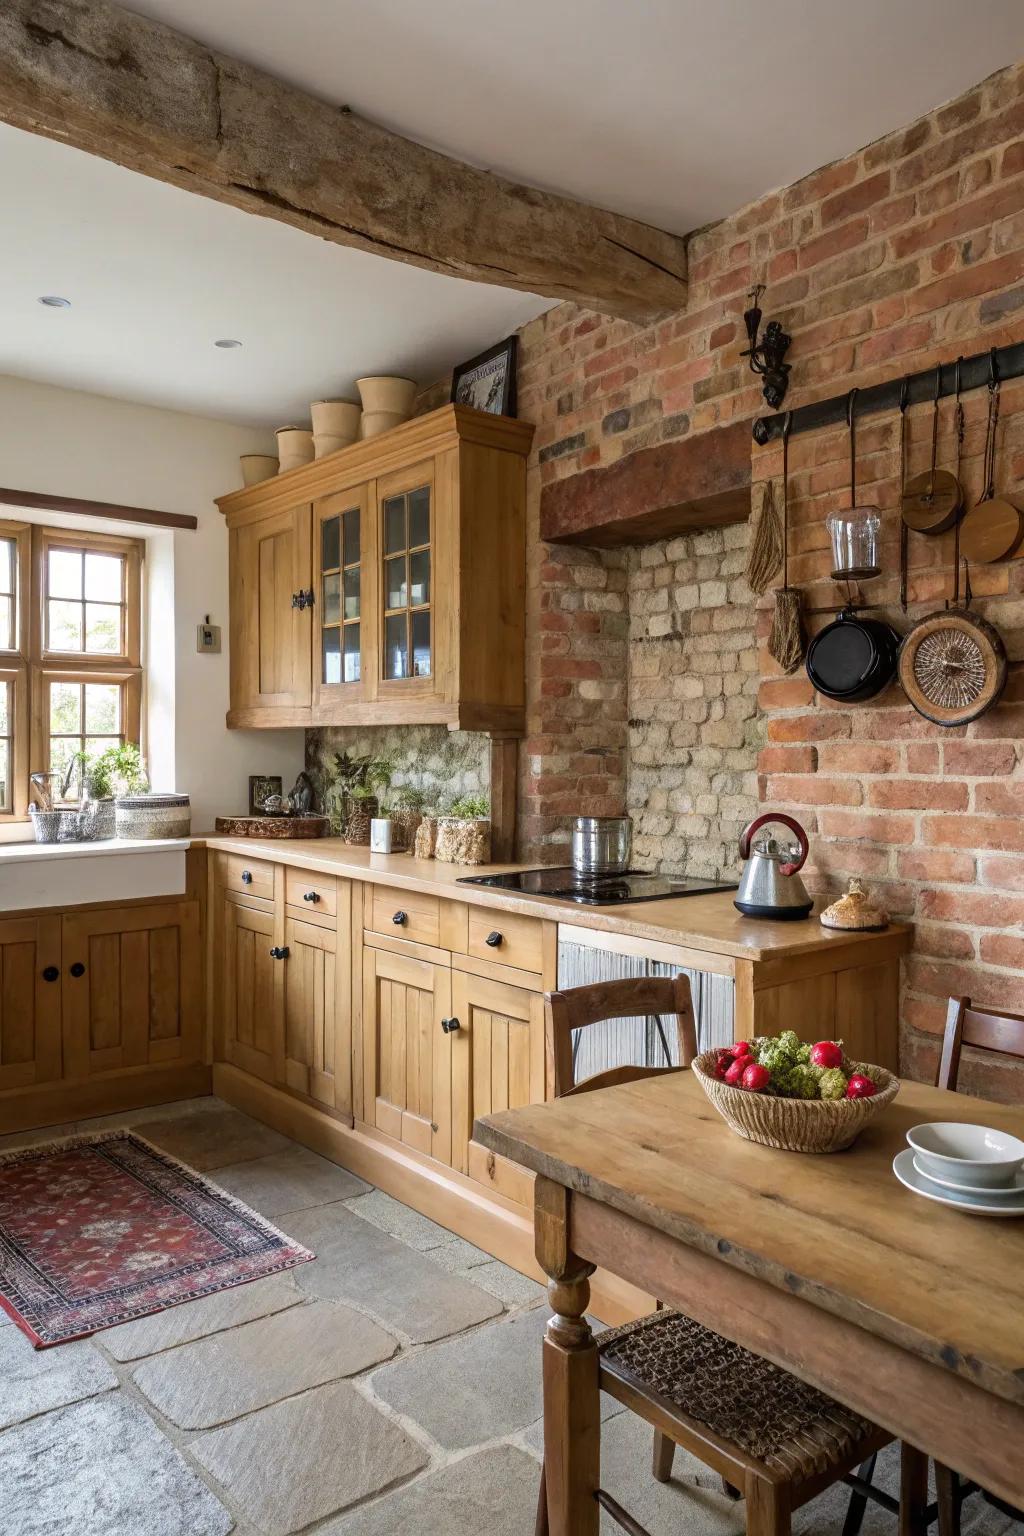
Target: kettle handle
(786, 821)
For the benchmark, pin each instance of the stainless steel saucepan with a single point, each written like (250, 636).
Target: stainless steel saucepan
(601, 845)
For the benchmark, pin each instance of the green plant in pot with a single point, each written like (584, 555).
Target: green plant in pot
(359, 784)
(107, 775)
(404, 805)
(464, 831)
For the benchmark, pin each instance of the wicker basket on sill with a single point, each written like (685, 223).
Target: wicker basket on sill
(794, 1125)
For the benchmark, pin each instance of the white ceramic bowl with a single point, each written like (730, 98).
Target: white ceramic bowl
(964, 1154)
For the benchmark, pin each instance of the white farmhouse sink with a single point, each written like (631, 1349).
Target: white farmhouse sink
(68, 874)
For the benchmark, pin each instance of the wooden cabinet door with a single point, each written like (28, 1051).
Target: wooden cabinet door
(497, 1063)
(406, 1054)
(317, 1014)
(131, 988)
(30, 1022)
(250, 988)
(271, 636)
(345, 601)
(413, 547)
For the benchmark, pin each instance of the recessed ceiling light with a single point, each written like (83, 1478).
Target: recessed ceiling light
(54, 301)
(227, 341)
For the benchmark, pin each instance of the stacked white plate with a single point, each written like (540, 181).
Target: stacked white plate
(973, 1168)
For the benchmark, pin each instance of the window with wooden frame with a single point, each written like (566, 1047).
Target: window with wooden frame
(70, 653)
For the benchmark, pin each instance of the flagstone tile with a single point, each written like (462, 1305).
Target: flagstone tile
(514, 1289)
(35, 1380)
(227, 1374)
(358, 1262)
(101, 1468)
(214, 1138)
(289, 1181)
(403, 1222)
(312, 1456)
(493, 1493)
(195, 1319)
(473, 1388)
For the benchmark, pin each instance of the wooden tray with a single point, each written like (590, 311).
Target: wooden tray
(273, 826)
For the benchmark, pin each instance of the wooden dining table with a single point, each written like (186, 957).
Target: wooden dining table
(909, 1312)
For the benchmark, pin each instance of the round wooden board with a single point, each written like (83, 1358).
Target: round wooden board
(952, 667)
(273, 826)
(930, 503)
(991, 531)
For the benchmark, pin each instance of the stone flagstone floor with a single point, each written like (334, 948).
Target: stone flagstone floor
(389, 1388)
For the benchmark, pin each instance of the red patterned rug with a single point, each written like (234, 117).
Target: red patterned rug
(102, 1229)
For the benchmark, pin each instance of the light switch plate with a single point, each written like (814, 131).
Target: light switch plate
(208, 639)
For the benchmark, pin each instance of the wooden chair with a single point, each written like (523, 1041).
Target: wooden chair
(773, 1440)
(1003, 1034)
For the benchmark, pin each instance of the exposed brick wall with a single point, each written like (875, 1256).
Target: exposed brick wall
(906, 253)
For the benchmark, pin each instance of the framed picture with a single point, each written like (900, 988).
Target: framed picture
(488, 381)
(261, 785)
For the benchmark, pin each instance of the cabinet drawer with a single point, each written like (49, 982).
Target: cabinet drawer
(317, 895)
(252, 877)
(405, 914)
(514, 940)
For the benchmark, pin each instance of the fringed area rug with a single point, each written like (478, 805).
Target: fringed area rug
(98, 1230)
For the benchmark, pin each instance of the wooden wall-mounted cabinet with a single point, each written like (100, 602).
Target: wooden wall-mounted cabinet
(385, 584)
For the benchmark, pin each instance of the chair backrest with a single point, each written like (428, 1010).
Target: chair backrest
(986, 1031)
(582, 1006)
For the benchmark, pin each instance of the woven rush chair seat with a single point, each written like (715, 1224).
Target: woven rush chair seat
(794, 1430)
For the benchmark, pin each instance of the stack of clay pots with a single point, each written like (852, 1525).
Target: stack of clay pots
(387, 402)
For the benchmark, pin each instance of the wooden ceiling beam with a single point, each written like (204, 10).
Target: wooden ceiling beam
(90, 74)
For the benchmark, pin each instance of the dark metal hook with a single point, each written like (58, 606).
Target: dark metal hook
(993, 368)
(904, 393)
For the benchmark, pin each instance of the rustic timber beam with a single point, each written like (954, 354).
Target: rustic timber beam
(655, 493)
(90, 74)
(36, 501)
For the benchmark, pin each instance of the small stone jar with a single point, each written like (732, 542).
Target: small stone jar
(463, 842)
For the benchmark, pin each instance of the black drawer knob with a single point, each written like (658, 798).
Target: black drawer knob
(247, 877)
(51, 973)
(311, 896)
(493, 939)
(450, 1026)
(401, 918)
(279, 952)
(78, 969)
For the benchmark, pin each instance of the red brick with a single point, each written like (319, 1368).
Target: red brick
(897, 342)
(1013, 159)
(833, 243)
(819, 725)
(851, 757)
(876, 828)
(862, 195)
(1003, 949)
(963, 216)
(912, 795)
(797, 790)
(977, 758)
(976, 908)
(1006, 874)
(922, 757)
(925, 864)
(785, 693)
(943, 942)
(1000, 799)
(996, 832)
(922, 1062)
(787, 759)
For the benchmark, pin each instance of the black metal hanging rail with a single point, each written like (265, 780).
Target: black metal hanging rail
(976, 371)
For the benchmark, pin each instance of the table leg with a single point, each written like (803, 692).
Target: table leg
(913, 1491)
(572, 1407)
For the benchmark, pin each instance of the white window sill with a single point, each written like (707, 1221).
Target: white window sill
(34, 875)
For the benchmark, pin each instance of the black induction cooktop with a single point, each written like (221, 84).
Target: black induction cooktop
(565, 884)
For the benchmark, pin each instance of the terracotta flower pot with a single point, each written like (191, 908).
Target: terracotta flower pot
(335, 425)
(387, 393)
(257, 467)
(376, 422)
(294, 447)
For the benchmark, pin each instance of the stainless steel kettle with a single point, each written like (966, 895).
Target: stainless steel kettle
(770, 885)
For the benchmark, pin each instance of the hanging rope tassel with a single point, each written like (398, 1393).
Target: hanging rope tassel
(765, 554)
(786, 642)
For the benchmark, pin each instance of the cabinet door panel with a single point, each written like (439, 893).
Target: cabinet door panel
(406, 1055)
(270, 639)
(314, 1002)
(497, 1055)
(136, 1000)
(343, 584)
(30, 1027)
(250, 984)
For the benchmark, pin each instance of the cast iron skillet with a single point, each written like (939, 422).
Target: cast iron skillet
(853, 658)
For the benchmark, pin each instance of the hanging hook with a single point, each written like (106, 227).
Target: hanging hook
(904, 393)
(993, 368)
(851, 418)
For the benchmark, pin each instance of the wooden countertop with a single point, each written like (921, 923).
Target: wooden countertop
(839, 1231)
(708, 923)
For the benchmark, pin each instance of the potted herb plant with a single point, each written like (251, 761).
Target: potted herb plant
(106, 776)
(358, 785)
(464, 831)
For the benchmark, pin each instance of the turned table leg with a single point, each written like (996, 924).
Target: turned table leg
(572, 1409)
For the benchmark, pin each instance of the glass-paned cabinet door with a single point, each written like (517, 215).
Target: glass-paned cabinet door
(407, 560)
(341, 596)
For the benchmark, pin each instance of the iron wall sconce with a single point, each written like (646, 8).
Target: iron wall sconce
(766, 356)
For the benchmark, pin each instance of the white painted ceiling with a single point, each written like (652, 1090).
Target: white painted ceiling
(673, 111)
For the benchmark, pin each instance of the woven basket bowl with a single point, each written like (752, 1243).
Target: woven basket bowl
(794, 1125)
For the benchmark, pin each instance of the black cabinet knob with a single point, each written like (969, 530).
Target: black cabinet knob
(450, 1026)
(78, 969)
(311, 896)
(51, 973)
(279, 952)
(493, 939)
(401, 918)
(247, 877)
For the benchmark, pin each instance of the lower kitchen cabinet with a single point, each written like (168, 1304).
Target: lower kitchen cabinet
(248, 988)
(407, 1051)
(317, 979)
(131, 988)
(497, 1063)
(30, 1011)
